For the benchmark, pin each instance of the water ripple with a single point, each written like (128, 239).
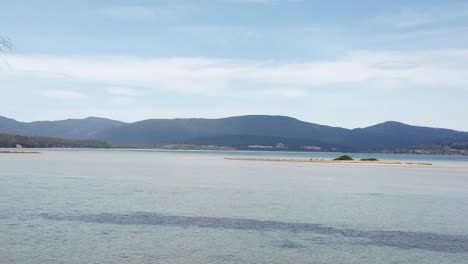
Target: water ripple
(399, 239)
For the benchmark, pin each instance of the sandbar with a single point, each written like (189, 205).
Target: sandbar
(349, 162)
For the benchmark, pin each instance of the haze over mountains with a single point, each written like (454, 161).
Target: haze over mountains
(238, 132)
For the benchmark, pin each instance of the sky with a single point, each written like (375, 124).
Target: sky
(341, 63)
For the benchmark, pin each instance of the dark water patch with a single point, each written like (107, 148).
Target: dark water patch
(287, 244)
(317, 240)
(370, 194)
(398, 239)
(2, 216)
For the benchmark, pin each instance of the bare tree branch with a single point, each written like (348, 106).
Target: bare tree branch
(5, 44)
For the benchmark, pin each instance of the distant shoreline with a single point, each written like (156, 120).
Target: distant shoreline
(19, 152)
(324, 161)
(208, 148)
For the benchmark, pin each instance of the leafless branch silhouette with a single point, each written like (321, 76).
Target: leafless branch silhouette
(5, 44)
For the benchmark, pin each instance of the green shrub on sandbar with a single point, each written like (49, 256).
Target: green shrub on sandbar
(370, 159)
(344, 157)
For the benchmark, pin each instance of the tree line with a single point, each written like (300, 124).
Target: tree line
(13, 141)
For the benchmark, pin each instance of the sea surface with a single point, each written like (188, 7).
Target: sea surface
(146, 206)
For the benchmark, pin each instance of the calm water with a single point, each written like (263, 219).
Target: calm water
(195, 207)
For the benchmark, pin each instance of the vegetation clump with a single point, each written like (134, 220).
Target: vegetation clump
(344, 157)
(370, 159)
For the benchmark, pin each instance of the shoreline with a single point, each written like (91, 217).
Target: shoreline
(19, 152)
(324, 161)
(239, 150)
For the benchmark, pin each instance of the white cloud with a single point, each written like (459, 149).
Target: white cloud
(121, 100)
(122, 91)
(285, 92)
(135, 12)
(67, 96)
(122, 95)
(218, 77)
(410, 18)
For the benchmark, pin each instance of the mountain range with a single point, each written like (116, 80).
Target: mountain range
(242, 132)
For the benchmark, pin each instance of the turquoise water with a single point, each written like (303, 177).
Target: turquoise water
(132, 206)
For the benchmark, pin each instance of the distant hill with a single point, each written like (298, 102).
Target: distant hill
(242, 132)
(393, 134)
(230, 131)
(399, 133)
(70, 128)
(11, 141)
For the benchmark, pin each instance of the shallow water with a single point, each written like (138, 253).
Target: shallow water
(195, 207)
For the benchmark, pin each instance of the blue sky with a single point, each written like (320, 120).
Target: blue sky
(343, 63)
